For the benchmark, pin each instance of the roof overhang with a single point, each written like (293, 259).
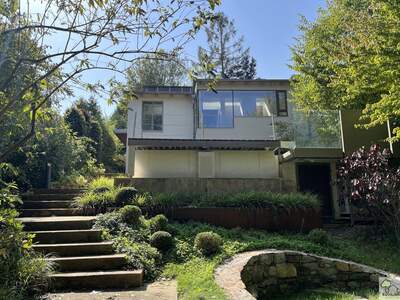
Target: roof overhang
(191, 144)
(312, 153)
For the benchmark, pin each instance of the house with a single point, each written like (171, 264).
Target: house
(245, 135)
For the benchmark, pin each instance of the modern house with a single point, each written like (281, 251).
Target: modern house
(243, 135)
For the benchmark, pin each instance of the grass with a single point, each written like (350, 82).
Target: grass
(245, 199)
(331, 295)
(195, 274)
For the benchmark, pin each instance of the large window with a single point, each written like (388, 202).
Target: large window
(254, 103)
(216, 109)
(152, 116)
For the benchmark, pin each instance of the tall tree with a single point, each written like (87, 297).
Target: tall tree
(93, 35)
(225, 50)
(349, 59)
(153, 70)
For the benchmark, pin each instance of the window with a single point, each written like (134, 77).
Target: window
(216, 109)
(254, 103)
(152, 116)
(282, 106)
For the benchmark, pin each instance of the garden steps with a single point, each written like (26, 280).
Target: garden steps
(67, 236)
(57, 223)
(89, 263)
(38, 204)
(76, 249)
(48, 212)
(83, 259)
(96, 280)
(41, 197)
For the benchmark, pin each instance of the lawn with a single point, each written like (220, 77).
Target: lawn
(195, 274)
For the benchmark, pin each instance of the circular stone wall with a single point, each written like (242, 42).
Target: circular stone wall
(264, 274)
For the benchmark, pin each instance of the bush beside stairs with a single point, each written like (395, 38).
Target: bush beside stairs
(83, 260)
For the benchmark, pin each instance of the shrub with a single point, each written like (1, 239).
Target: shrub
(158, 223)
(101, 182)
(244, 199)
(130, 214)
(208, 243)
(23, 272)
(318, 236)
(101, 189)
(139, 256)
(125, 195)
(161, 240)
(372, 184)
(97, 201)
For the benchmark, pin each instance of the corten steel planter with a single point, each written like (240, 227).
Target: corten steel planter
(281, 219)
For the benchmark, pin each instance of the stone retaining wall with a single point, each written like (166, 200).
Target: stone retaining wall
(266, 273)
(279, 272)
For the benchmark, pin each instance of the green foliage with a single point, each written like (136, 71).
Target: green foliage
(208, 243)
(244, 199)
(161, 240)
(125, 195)
(158, 223)
(101, 182)
(133, 240)
(347, 59)
(318, 236)
(24, 273)
(195, 274)
(130, 214)
(76, 121)
(97, 202)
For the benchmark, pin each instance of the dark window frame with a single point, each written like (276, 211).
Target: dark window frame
(162, 115)
(281, 112)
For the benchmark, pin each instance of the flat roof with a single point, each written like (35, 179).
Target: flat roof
(196, 144)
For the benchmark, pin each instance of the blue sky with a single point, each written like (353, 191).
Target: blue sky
(269, 28)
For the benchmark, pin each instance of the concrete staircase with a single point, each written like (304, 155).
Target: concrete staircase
(83, 260)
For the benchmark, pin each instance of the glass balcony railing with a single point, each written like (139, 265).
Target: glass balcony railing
(319, 129)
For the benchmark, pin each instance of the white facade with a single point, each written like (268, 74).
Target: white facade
(177, 117)
(211, 164)
(182, 120)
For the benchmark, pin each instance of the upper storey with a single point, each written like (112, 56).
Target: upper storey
(236, 110)
(241, 109)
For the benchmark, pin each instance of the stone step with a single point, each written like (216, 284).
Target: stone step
(97, 280)
(57, 223)
(67, 236)
(48, 212)
(58, 191)
(76, 249)
(41, 197)
(89, 263)
(47, 204)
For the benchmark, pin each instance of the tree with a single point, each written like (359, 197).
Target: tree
(225, 50)
(76, 121)
(97, 35)
(372, 184)
(349, 59)
(245, 69)
(150, 71)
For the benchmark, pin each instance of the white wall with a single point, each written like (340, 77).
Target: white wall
(184, 163)
(177, 117)
(246, 164)
(165, 163)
